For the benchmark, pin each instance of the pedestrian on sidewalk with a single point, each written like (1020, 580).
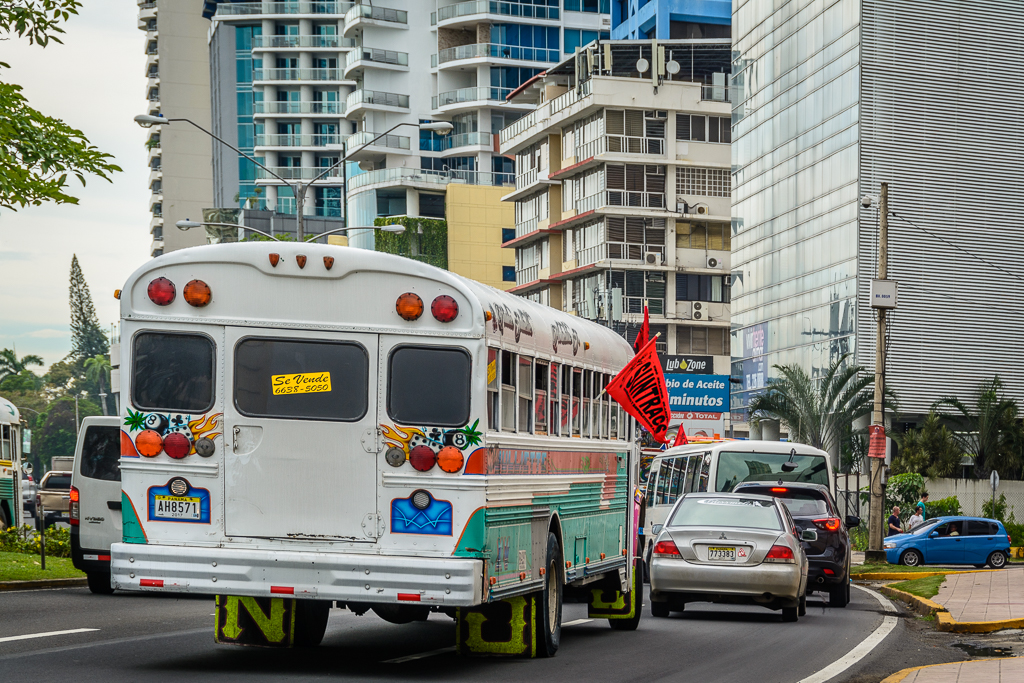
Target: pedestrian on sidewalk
(894, 522)
(917, 518)
(922, 504)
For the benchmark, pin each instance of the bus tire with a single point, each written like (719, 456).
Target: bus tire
(99, 583)
(5, 520)
(549, 616)
(401, 614)
(637, 597)
(311, 621)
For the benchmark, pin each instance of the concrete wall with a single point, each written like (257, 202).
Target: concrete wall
(973, 493)
(476, 216)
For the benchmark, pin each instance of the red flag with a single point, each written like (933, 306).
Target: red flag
(641, 390)
(645, 332)
(681, 439)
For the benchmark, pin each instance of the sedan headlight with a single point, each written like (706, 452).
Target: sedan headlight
(888, 546)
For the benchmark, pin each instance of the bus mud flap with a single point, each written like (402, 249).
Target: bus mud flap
(608, 602)
(259, 622)
(504, 628)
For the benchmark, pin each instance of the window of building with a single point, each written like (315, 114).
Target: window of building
(689, 30)
(704, 341)
(507, 235)
(510, 78)
(632, 237)
(574, 38)
(708, 182)
(593, 6)
(522, 41)
(714, 236)
(698, 128)
(634, 131)
(719, 129)
(692, 287)
(508, 273)
(638, 185)
(638, 286)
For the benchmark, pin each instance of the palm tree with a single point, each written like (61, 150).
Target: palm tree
(988, 431)
(97, 369)
(10, 364)
(819, 412)
(932, 450)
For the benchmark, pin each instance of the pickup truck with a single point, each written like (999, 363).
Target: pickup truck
(54, 496)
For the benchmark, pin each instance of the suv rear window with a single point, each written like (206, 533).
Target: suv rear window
(305, 380)
(799, 503)
(59, 481)
(100, 453)
(172, 372)
(429, 386)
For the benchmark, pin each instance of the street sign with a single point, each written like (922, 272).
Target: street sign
(876, 441)
(994, 480)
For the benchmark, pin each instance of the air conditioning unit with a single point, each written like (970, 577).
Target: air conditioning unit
(698, 310)
(652, 258)
(714, 262)
(701, 210)
(682, 207)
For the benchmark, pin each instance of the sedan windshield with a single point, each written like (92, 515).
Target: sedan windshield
(727, 512)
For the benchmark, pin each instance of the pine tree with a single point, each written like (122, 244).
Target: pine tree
(87, 339)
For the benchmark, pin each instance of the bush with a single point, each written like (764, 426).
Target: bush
(26, 540)
(1016, 532)
(1000, 508)
(943, 507)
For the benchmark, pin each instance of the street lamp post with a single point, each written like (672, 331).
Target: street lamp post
(299, 189)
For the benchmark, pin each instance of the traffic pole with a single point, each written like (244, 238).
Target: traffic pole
(876, 515)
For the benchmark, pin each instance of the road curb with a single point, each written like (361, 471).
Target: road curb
(903, 673)
(907, 576)
(943, 621)
(45, 583)
(922, 606)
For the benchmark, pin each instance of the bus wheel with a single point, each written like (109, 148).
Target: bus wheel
(5, 521)
(549, 617)
(311, 621)
(401, 614)
(636, 598)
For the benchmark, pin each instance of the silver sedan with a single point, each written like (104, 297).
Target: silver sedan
(729, 548)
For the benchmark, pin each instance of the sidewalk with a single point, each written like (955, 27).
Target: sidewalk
(1010, 670)
(987, 596)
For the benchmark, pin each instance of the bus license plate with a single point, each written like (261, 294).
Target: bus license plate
(178, 507)
(721, 553)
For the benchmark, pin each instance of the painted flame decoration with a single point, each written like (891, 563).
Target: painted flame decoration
(398, 438)
(204, 426)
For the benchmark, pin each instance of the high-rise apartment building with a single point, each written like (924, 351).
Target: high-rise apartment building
(622, 191)
(178, 86)
(670, 19)
(836, 97)
(299, 82)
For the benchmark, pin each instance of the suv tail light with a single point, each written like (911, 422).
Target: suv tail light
(73, 506)
(666, 549)
(828, 524)
(780, 553)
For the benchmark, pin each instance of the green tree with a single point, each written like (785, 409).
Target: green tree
(818, 412)
(932, 451)
(39, 153)
(10, 364)
(24, 381)
(87, 339)
(97, 369)
(55, 432)
(988, 429)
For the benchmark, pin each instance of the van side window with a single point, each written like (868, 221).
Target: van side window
(172, 372)
(101, 450)
(540, 373)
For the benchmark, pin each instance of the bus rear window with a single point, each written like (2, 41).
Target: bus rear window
(100, 453)
(734, 468)
(429, 386)
(306, 380)
(172, 372)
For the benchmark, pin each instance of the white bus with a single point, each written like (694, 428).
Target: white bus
(11, 505)
(321, 423)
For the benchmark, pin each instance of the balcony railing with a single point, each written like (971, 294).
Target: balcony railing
(319, 42)
(526, 227)
(297, 173)
(363, 137)
(495, 51)
(469, 95)
(368, 54)
(718, 93)
(526, 178)
(466, 139)
(397, 16)
(386, 175)
(508, 9)
(620, 144)
(527, 275)
(297, 74)
(296, 140)
(376, 97)
(624, 198)
(545, 110)
(331, 107)
(286, 7)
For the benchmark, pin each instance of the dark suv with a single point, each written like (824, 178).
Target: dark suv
(828, 558)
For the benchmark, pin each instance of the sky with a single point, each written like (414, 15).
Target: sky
(95, 82)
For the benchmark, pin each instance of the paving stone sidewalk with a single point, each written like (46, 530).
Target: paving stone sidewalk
(1009, 670)
(985, 596)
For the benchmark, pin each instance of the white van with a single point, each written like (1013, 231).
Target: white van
(95, 513)
(719, 466)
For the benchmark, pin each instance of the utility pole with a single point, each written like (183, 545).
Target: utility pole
(876, 515)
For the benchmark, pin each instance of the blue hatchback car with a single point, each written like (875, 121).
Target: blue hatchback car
(951, 540)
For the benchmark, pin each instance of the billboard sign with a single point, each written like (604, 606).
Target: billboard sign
(688, 365)
(698, 392)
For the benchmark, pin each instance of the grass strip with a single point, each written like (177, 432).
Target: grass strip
(892, 568)
(22, 567)
(926, 587)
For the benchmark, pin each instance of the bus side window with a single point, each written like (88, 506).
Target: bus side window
(540, 373)
(5, 443)
(602, 380)
(554, 412)
(492, 389)
(588, 395)
(508, 391)
(566, 403)
(664, 481)
(705, 472)
(525, 395)
(577, 394)
(613, 419)
(691, 473)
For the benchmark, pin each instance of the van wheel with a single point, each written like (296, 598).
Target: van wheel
(660, 609)
(311, 621)
(997, 560)
(550, 614)
(99, 583)
(839, 595)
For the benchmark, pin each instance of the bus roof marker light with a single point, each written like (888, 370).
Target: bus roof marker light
(422, 458)
(328, 262)
(409, 306)
(161, 291)
(450, 459)
(149, 443)
(301, 260)
(275, 259)
(197, 293)
(444, 308)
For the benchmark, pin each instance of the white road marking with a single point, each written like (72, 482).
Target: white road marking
(409, 658)
(29, 636)
(575, 622)
(864, 648)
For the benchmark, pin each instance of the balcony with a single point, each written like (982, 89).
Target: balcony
(718, 93)
(289, 7)
(297, 173)
(527, 227)
(320, 75)
(460, 140)
(375, 99)
(454, 15)
(397, 142)
(334, 108)
(476, 97)
(311, 42)
(287, 140)
(384, 59)
(621, 198)
(371, 15)
(527, 178)
(527, 275)
(494, 51)
(620, 144)
(403, 175)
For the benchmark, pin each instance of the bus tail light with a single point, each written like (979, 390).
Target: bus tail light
(177, 445)
(444, 308)
(161, 291)
(149, 443)
(74, 507)
(197, 293)
(409, 306)
(450, 459)
(422, 458)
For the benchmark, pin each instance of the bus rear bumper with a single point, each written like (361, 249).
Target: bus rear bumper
(454, 582)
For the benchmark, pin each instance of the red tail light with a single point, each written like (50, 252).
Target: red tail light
(73, 507)
(780, 553)
(828, 572)
(666, 549)
(444, 308)
(161, 291)
(778, 490)
(177, 445)
(422, 458)
(828, 524)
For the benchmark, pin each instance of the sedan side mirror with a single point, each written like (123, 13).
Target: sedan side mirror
(852, 521)
(809, 535)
